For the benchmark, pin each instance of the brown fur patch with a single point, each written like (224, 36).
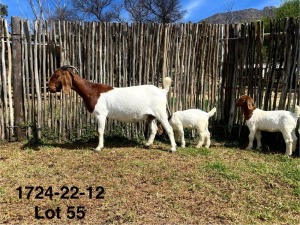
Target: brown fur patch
(66, 81)
(91, 93)
(55, 84)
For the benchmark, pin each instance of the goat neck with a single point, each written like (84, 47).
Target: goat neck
(248, 112)
(90, 92)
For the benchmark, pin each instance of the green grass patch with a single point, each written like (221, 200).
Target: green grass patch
(190, 151)
(220, 168)
(291, 174)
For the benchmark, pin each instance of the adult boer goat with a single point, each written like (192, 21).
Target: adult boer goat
(259, 120)
(129, 104)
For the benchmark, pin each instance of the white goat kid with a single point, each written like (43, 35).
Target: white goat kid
(130, 104)
(193, 119)
(259, 120)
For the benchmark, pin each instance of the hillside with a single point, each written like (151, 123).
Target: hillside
(240, 16)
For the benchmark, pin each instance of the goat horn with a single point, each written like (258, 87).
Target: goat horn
(69, 66)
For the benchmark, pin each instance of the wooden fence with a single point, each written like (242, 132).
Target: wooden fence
(211, 65)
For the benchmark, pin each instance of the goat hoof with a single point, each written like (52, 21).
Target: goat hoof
(97, 149)
(147, 146)
(172, 150)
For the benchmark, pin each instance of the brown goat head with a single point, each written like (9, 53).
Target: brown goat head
(247, 105)
(245, 100)
(61, 79)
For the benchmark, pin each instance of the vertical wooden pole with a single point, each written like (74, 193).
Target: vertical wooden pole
(17, 78)
(37, 25)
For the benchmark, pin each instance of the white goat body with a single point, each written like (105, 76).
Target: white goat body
(193, 119)
(259, 120)
(273, 121)
(132, 104)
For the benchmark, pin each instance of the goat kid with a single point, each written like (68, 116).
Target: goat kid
(129, 104)
(259, 120)
(192, 119)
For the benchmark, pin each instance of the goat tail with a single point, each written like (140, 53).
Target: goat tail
(212, 112)
(167, 83)
(297, 110)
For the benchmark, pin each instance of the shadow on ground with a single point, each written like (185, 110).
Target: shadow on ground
(110, 142)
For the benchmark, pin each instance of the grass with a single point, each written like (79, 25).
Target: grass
(216, 185)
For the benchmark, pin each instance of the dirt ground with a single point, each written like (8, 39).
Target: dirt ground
(58, 184)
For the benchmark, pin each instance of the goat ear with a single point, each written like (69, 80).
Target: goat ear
(250, 103)
(66, 81)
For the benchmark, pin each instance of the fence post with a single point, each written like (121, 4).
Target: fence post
(17, 77)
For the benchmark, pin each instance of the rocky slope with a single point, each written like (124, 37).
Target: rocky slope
(240, 16)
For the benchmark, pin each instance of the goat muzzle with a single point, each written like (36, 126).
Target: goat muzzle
(52, 89)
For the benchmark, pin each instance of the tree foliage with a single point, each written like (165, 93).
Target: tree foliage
(3, 10)
(99, 10)
(38, 8)
(289, 8)
(164, 11)
(63, 11)
(155, 11)
(137, 11)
